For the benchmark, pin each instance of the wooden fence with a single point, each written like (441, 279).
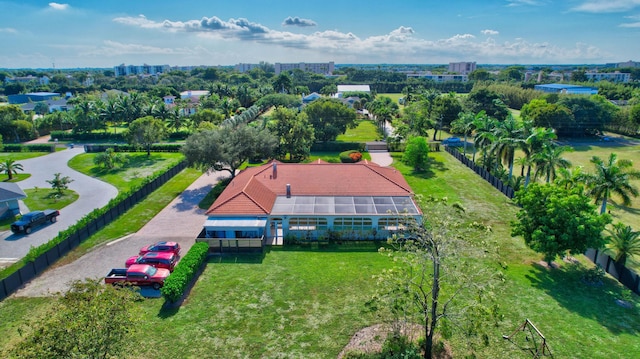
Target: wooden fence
(31, 269)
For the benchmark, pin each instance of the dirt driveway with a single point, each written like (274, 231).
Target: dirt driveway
(180, 221)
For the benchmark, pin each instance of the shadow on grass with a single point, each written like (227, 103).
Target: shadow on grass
(596, 302)
(429, 172)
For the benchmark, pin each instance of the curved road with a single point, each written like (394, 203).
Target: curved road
(180, 221)
(92, 192)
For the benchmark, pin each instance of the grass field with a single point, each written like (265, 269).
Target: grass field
(366, 131)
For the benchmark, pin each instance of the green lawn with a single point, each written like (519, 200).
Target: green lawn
(18, 156)
(365, 132)
(39, 199)
(138, 167)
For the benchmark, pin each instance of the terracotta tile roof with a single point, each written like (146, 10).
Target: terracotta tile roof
(254, 190)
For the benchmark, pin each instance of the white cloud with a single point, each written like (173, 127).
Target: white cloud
(631, 24)
(399, 43)
(598, 6)
(296, 21)
(114, 48)
(512, 3)
(9, 30)
(57, 6)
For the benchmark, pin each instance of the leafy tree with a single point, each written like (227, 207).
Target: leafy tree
(41, 108)
(554, 220)
(10, 167)
(279, 100)
(579, 76)
(109, 159)
(624, 243)
(228, 147)
(90, 320)
(329, 118)
(60, 183)
(282, 83)
(489, 101)
(9, 115)
(446, 109)
(295, 134)
(416, 154)
(590, 114)
(612, 177)
(549, 115)
(434, 276)
(146, 131)
(207, 115)
(465, 124)
(328, 90)
(479, 75)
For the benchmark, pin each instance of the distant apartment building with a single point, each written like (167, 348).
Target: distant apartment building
(462, 68)
(438, 77)
(241, 67)
(608, 76)
(44, 80)
(625, 64)
(132, 70)
(322, 68)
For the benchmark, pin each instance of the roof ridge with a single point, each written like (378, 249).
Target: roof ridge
(371, 168)
(253, 179)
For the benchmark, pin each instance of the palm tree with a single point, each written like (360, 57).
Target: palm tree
(549, 159)
(569, 178)
(613, 176)
(10, 167)
(466, 123)
(484, 136)
(624, 242)
(536, 139)
(509, 137)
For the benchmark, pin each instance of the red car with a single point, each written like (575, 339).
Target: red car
(173, 247)
(165, 260)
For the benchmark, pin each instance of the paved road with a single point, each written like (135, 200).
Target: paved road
(180, 221)
(93, 194)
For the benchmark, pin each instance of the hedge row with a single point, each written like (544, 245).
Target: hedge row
(333, 146)
(178, 282)
(163, 147)
(42, 147)
(105, 136)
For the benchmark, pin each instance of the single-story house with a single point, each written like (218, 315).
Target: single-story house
(10, 194)
(310, 97)
(306, 200)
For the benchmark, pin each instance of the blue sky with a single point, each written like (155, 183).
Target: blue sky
(106, 33)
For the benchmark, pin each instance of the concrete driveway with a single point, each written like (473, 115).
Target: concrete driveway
(92, 192)
(180, 221)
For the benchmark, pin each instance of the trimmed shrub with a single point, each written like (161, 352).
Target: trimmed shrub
(351, 156)
(162, 147)
(178, 282)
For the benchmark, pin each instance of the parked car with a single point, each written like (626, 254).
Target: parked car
(165, 260)
(29, 221)
(138, 274)
(173, 247)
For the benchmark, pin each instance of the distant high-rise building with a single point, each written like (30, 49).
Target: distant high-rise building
(608, 76)
(322, 68)
(246, 67)
(127, 70)
(462, 68)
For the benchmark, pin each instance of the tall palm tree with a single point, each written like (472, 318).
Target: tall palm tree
(612, 176)
(509, 136)
(10, 167)
(624, 243)
(549, 159)
(484, 136)
(466, 123)
(570, 178)
(536, 139)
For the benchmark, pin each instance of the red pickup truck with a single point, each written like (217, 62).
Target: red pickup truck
(139, 275)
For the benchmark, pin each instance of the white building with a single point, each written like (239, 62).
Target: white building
(322, 68)
(463, 68)
(128, 70)
(608, 76)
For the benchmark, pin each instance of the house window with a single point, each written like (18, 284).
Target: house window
(307, 224)
(390, 223)
(352, 223)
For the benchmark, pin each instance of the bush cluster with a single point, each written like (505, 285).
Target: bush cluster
(175, 286)
(351, 156)
(105, 136)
